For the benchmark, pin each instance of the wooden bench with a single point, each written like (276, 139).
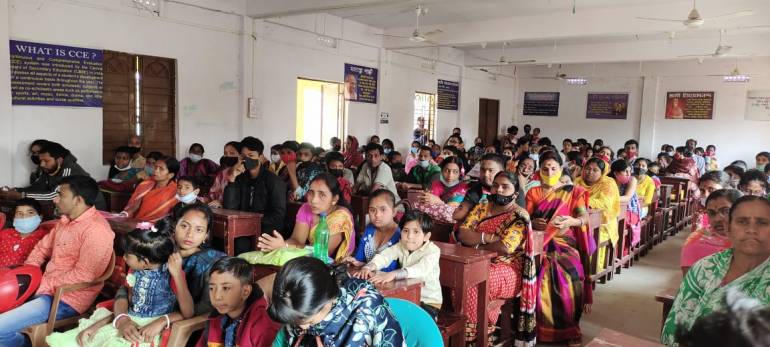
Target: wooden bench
(680, 197)
(608, 264)
(663, 213)
(360, 206)
(666, 297)
(622, 251)
(231, 224)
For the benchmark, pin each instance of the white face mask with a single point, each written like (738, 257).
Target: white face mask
(187, 199)
(195, 157)
(128, 167)
(275, 158)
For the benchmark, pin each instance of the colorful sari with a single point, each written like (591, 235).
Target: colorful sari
(703, 292)
(340, 222)
(154, 202)
(700, 244)
(510, 275)
(633, 216)
(451, 196)
(564, 284)
(604, 196)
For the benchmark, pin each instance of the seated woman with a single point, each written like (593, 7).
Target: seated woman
(197, 166)
(646, 186)
(745, 266)
(153, 199)
(381, 232)
(605, 197)
(710, 182)
(324, 197)
(753, 182)
(704, 242)
(627, 183)
(16, 243)
(318, 306)
(228, 160)
(501, 226)
(121, 175)
(561, 211)
(191, 235)
(446, 193)
(353, 158)
(527, 177)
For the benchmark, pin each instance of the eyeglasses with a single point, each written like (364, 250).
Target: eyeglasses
(724, 212)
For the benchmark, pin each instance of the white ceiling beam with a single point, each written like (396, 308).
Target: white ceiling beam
(261, 9)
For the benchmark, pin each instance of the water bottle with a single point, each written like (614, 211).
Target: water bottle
(483, 199)
(321, 241)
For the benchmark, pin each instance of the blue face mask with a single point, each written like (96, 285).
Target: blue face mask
(424, 164)
(413, 150)
(149, 170)
(187, 199)
(26, 225)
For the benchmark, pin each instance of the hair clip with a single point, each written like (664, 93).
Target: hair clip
(146, 226)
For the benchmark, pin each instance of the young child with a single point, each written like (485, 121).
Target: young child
(141, 310)
(241, 318)
(16, 243)
(187, 190)
(418, 257)
(381, 233)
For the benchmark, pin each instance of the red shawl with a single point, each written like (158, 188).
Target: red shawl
(352, 157)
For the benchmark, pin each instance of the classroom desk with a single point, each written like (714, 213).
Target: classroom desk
(406, 289)
(226, 224)
(230, 224)
(666, 297)
(360, 205)
(116, 201)
(463, 268)
(612, 338)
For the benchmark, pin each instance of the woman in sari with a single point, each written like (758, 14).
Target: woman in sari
(502, 226)
(710, 182)
(561, 211)
(745, 267)
(646, 187)
(446, 193)
(704, 242)
(605, 197)
(627, 183)
(154, 198)
(324, 197)
(353, 158)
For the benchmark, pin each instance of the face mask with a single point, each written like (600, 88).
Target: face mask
(433, 154)
(622, 179)
(639, 171)
(535, 157)
(387, 150)
(195, 157)
(501, 200)
(550, 180)
(149, 170)
(275, 158)
(670, 153)
(289, 157)
(337, 172)
(250, 164)
(413, 150)
(631, 154)
(424, 164)
(35, 160)
(122, 169)
(448, 184)
(761, 167)
(228, 161)
(336, 148)
(187, 199)
(26, 225)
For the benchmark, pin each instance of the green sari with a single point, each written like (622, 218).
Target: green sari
(702, 291)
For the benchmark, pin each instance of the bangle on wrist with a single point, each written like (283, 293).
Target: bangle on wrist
(483, 242)
(117, 318)
(168, 321)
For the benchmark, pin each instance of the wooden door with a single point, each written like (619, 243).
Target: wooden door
(489, 114)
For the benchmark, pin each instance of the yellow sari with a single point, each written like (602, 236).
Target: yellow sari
(645, 190)
(340, 222)
(604, 195)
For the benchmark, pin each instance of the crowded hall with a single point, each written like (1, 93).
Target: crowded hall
(385, 173)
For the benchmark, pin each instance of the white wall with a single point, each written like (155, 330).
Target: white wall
(647, 84)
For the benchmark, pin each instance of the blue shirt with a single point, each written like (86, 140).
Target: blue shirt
(365, 250)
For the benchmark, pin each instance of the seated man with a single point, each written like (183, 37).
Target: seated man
(137, 160)
(54, 167)
(374, 173)
(254, 188)
(77, 250)
(423, 174)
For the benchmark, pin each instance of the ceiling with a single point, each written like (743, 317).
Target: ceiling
(603, 30)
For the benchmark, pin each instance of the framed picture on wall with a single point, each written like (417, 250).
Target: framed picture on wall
(690, 105)
(607, 105)
(758, 105)
(541, 104)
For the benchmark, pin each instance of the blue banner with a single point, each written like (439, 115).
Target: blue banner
(360, 83)
(53, 75)
(607, 106)
(541, 104)
(448, 95)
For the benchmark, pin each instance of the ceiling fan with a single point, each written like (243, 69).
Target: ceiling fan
(502, 61)
(417, 36)
(694, 19)
(721, 50)
(559, 76)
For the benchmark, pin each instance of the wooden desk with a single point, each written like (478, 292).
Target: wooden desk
(612, 338)
(666, 297)
(123, 225)
(230, 224)
(360, 205)
(116, 201)
(463, 268)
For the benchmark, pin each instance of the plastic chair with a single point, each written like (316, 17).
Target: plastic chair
(418, 327)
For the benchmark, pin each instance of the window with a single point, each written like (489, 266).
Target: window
(139, 98)
(425, 108)
(320, 111)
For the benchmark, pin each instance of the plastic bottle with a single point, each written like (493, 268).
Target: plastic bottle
(321, 240)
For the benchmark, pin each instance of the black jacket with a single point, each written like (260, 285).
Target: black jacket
(265, 194)
(44, 186)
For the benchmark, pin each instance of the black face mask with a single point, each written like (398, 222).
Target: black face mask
(250, 164)
(337, 148)
(337, 172)
(501, 200)
(35, 160)
(639, 171)
(228, 161)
